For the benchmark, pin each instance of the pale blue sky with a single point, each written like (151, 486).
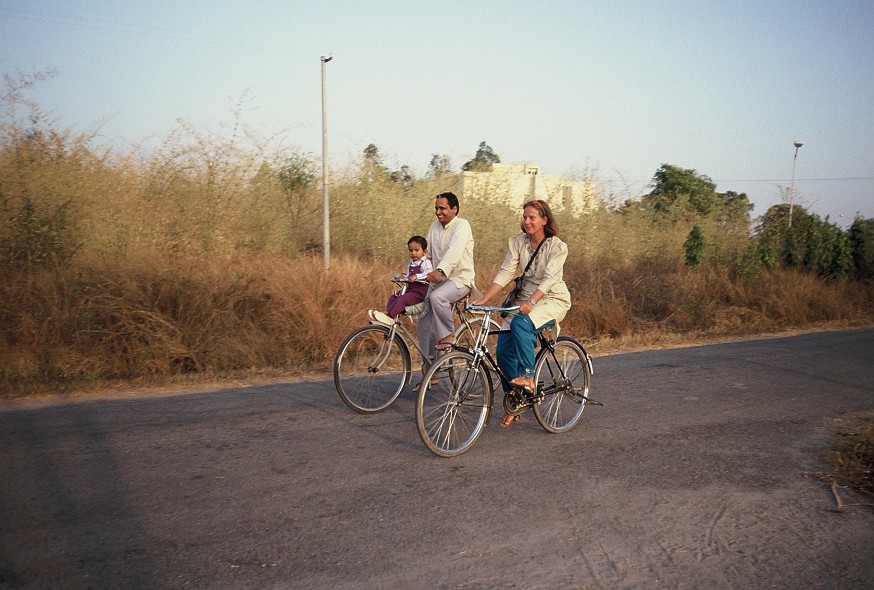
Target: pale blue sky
(723, 87)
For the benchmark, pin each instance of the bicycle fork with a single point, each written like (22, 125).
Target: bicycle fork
(384, 351)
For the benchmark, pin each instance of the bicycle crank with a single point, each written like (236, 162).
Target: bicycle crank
(517, 401)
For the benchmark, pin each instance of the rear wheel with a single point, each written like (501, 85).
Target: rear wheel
(454, 404)
(371, 369)
(562, 376)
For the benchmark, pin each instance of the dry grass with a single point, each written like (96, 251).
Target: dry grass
(851, 458)
(150, 316)
(202, 260)
(155, 316)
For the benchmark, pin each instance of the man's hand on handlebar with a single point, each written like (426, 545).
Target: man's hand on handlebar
(435, 276)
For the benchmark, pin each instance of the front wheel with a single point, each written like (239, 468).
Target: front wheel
(454, 404)
(371, 369)
(562, 376)
(465, 334)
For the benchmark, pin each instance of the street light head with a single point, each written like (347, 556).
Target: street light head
(798, 143)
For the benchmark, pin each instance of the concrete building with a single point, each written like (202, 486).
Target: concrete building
(513, 184)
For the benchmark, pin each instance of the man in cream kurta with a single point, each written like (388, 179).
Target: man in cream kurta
(450, 245)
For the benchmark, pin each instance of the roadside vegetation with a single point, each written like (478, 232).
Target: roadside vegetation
(851, 460)
(201, 259)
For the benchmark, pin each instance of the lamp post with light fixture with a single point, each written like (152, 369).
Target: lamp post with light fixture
(326, 218)
(797, 144)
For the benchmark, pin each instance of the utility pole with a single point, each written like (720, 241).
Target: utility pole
(797, 144)
(326, 210)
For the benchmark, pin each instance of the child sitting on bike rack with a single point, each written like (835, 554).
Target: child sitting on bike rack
(413, 292)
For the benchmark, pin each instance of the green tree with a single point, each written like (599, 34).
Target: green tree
(694, 245)
(372, 157)
(375, 169)
(483, 160)
(439, 166)
(44, 174)
(680, 191)
(861, 237)
(297, 179)
(811, 243)
(673, 186)
(298, 174)
(840, 264)
(403, 175)
(736, 209)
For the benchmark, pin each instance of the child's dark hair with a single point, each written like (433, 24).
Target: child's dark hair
(419, 240)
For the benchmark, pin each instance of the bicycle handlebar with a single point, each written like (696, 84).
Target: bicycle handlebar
(492, 308)
(407, 281)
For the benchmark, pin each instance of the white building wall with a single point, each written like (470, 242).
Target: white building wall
(513, 184)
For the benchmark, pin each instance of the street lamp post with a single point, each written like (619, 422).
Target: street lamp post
(326, 218)
(797, 144)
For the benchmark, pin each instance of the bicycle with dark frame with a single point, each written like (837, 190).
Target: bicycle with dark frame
(455, 400)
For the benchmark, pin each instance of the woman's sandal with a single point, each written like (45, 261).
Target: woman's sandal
(508, 419)
(526, 383)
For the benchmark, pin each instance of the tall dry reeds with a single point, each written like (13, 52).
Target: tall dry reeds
(159, 316)
(151, 316)
(203, 257)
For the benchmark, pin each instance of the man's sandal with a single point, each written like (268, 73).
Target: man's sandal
(418, 385)
(445, 344)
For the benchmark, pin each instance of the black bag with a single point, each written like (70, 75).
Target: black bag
(515, 291)
(511, 296)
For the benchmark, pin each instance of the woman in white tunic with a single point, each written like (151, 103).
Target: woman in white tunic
(543, 298)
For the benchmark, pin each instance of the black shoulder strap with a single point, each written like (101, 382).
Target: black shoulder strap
(533, 256)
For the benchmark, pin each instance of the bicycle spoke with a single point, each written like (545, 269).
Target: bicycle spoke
(448, 424)
(370, 369)
(563, 376)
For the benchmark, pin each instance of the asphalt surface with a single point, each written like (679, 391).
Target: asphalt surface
(697, 473)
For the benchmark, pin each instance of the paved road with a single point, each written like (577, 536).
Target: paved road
(695, 474)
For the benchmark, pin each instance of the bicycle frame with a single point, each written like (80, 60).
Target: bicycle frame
(408, 338)
(481, 353)
(455, 400)
(480, 349)
(459, 309)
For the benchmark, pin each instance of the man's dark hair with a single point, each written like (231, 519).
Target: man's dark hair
(451, 200)
(419, 240)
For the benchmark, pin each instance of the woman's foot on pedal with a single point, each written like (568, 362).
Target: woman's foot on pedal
(526, 383)
(508, 419)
